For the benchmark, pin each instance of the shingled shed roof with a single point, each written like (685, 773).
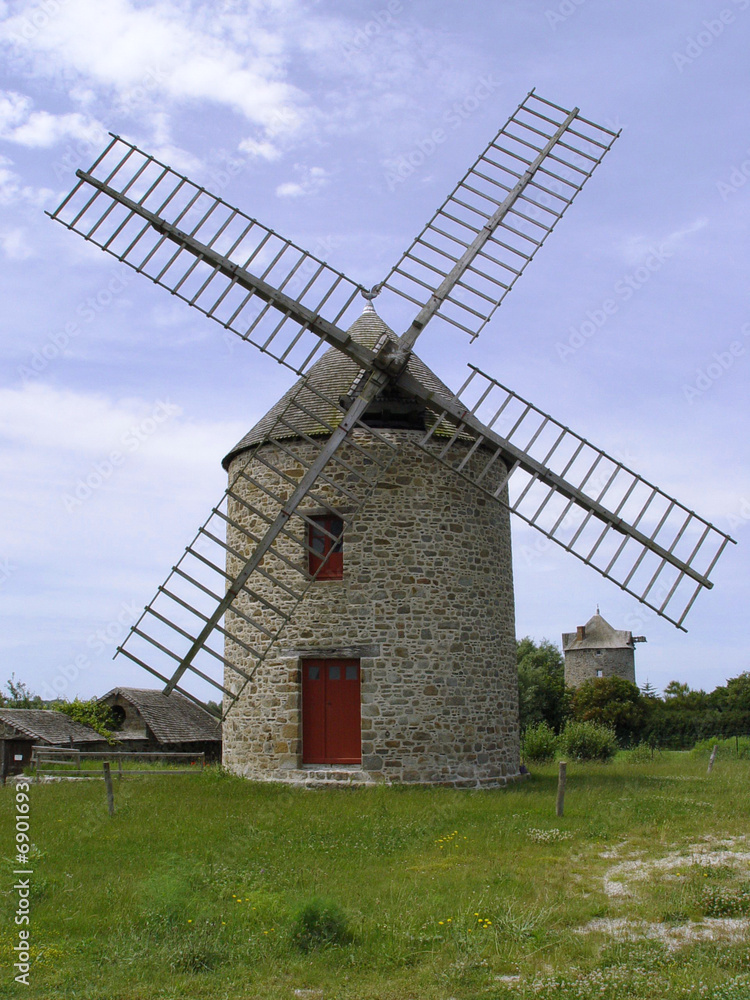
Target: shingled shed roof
(598, 634)
(171, 718)
(48, 726)
(334, 375)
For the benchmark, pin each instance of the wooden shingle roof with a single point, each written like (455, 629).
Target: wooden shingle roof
(48, 726)
(599, 634)
(171, 718)
(334, 375)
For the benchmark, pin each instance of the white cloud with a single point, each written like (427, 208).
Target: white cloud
(145, 54)
(13, 191)
(239, 54)
(20, 124)
(312, 180)
(125, 460)
(259, 149)
(636, 248)
(14, 108)
(40, 416)
(13, 244)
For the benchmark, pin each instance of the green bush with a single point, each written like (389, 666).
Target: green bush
(640, 754)
(539, 743)
(93, 713)
(737, 747)
(588, 741)
(198, 950)
(320, 924)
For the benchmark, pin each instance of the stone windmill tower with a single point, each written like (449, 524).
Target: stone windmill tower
(596, 649)
(350, 596)
(400, 663)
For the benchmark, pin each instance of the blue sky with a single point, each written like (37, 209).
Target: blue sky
(315, 116)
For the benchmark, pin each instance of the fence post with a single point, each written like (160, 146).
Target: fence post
(110, 789)
(119, 766)
(712, 758)
(561, 779)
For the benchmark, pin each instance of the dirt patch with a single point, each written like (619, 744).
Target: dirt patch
(707, 853)
(674, 936)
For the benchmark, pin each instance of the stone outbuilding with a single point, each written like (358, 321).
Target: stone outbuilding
(598, 650)
(21, 729)
(150, 721)
(399, 665)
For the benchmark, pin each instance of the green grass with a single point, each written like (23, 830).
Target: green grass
(199, 885)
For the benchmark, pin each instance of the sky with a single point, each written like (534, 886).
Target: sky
(316, 117)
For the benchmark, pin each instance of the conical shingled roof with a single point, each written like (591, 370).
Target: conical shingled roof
(598, 634)
(333, 375)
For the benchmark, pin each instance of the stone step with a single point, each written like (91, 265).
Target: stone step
(311, 777)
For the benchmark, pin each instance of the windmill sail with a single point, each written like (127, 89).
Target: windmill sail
(649, 544)
(480, 241)
(230, 267)
(224, 606)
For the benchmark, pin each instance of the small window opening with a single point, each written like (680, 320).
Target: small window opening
(600, 672)
(118, 713)
(326, 547)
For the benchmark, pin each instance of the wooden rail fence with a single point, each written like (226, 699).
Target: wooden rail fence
(65, 762)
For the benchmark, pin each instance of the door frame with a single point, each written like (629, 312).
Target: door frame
(325, 759)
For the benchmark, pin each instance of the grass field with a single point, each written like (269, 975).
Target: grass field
(195, 888)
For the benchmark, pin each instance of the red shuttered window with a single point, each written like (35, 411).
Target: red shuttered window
(326, 552)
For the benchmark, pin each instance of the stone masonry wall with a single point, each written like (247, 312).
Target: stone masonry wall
(582, 664)
(426, 603)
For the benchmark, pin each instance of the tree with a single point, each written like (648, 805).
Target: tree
(543, 696)
(19, 696)
(612, 701)
(738, 693)
(676, 690)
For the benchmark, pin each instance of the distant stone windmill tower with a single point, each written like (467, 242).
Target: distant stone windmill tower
(598, 650)
(350, 596)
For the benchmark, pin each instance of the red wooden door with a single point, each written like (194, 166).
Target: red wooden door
(331, 723)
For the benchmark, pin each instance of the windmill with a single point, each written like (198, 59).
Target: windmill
(350, 597)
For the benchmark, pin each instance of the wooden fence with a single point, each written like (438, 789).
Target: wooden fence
(65, 762)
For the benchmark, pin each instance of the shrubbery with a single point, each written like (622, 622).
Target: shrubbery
(642, 753)
(320, 924)
(588, 741)
(539, 743)
(732, 747)
(674, 720)
(91, 713)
